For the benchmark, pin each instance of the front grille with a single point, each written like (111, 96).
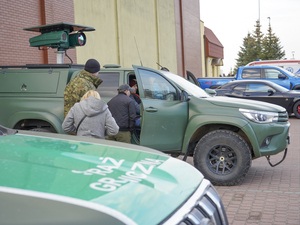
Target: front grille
(205, 210)
(203, 207)
(283, 116)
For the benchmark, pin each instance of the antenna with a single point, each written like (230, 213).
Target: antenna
(163, 68)
(138, 51)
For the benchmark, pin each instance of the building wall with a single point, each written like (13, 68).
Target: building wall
(128, 32)
(212, 71)
(15, 48)
(203, 60)
(17, 15)
(188, 35)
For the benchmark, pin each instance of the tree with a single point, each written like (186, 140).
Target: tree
(258, 37)
(271, 46)
(257, 46)
(247, 52)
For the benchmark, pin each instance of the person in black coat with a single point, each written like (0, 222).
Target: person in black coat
(123, 110)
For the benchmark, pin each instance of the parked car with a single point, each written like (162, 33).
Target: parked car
(275, 74)
(291, 65)
(263, 91)
(51, 178)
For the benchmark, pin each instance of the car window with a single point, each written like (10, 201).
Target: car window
(186, 85)
(190, 77)
(108, 88)
(258, 88)
(240, 87)
(252, 73)
(157, 87)
(272, 73)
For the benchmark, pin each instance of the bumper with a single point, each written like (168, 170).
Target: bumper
(268, 139)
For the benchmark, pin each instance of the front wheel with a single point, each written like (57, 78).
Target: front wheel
(223, 157)
(296, 109)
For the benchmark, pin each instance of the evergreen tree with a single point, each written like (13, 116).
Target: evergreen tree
(258, 37)
(257, 46)
(247, 52)
(271, 46)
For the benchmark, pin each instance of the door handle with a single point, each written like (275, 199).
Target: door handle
(151, 109)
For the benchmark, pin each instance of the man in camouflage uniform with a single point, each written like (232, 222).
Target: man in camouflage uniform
(87, 80)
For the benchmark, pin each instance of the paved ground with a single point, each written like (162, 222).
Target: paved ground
(268, 195)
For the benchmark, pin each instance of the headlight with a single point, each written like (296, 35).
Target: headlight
(260, 116)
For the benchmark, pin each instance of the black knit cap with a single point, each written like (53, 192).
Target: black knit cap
(92, 66)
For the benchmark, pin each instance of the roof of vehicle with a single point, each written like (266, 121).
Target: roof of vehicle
(261, 66)
(259, 62)
(236, 82)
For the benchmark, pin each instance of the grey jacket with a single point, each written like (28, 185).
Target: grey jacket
(98, 122)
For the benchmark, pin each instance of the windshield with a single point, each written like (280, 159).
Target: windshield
(186, 85)
(280, 88)
(289, 73)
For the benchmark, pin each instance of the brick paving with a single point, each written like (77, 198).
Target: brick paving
(268, 195)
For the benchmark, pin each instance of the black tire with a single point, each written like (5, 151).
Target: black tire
(47, 130)
(296, 109)
(223, 157)
(296, 87)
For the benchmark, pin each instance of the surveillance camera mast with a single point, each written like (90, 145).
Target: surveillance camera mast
(59, 35)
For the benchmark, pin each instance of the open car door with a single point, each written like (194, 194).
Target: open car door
(163, 116)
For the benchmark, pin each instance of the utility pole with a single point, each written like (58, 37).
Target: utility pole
(259, 12)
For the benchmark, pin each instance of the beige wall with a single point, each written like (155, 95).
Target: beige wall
(212, 71)
(119, 23)
(202, 49)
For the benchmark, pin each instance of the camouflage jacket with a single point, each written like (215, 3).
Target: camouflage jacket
(77, 87)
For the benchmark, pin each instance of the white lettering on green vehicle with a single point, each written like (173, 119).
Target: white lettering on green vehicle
(108, 184)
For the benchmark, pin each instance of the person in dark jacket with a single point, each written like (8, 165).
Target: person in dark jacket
(134, 96)
(123, 110)
(137, 101)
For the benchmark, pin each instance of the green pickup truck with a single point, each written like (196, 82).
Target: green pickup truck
(177, 117)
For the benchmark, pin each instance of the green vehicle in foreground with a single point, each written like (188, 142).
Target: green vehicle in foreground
(58, 179)
(222, 134)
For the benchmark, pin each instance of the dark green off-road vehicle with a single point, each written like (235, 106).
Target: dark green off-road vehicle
(177, 117)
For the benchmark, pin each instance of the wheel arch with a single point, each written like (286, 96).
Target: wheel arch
(27, 120)
(295, 103)
(296, 87)
(199, 127)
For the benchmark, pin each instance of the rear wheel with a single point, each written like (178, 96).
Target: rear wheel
(223, 157)
(296, 109)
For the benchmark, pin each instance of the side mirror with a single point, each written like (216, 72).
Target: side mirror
(271, 92)
(184, 96)
(281, 76)
(210, 91)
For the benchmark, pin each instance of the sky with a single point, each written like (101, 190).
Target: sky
(231, 20)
